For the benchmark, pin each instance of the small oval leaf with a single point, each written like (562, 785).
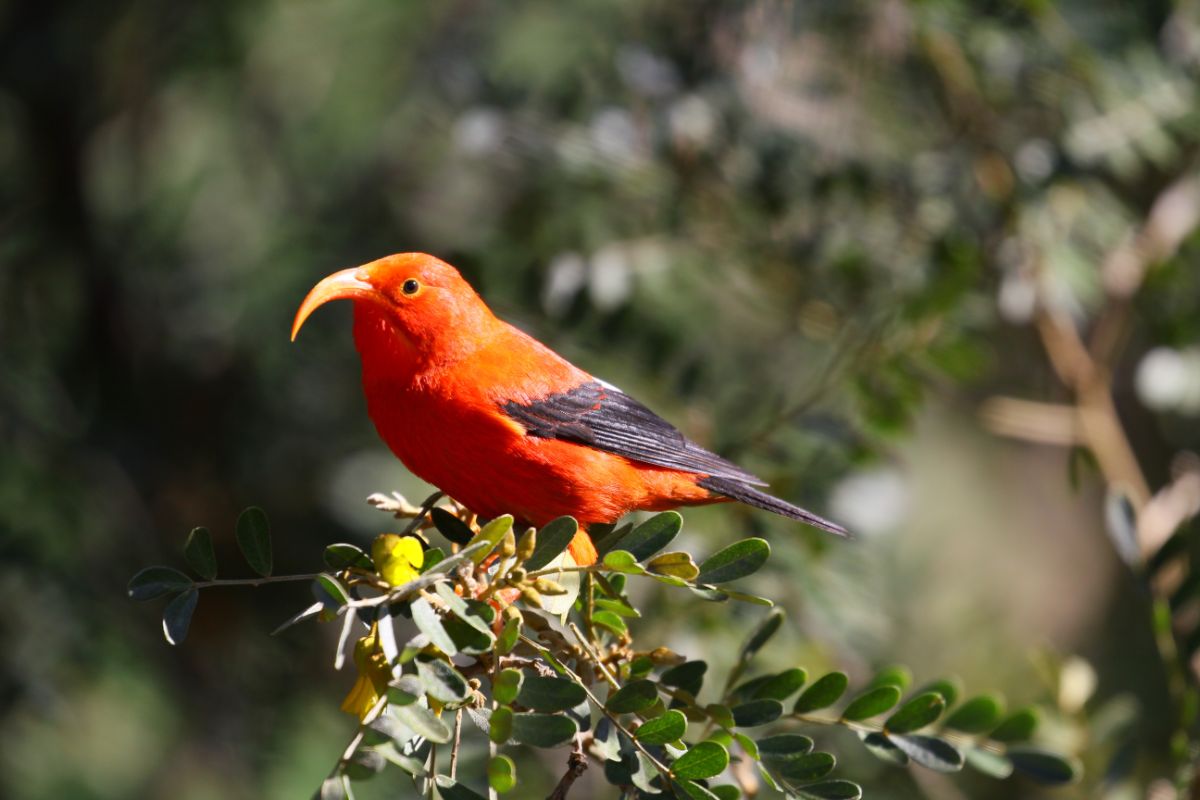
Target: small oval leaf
(632, 697)
(1043, 766)
(543, 730)
(177, 616)
(735, 561)
(254, 539)
(341, 555)
(549, 693)
(872, 703)
(652, 535)
(702, 760)
(670, 727)
(506, 685)
(922, 710)
(930, 751)
(153, 582)
(552, 539)
(977, 715)
(756, 712)
(198, 550)
(822, 694)
(450, 526)
(1017, 727)
(808, 767)
(502, 774)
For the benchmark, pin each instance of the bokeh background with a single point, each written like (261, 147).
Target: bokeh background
(819, 236)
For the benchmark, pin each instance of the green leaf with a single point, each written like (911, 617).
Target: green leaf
(948, 688)
(421, 721)
(882, 748)
(500, 725)
(783, 747)
(198, 550)
(490, 535)
(1043, 766)
(781, 686)
(153, 582)
(1019, 726)
(872, 703)
(726, 792)
(467, 634)
(756, 712)
(830, 790)
(991, 764)
(543, 730)
(702, 760)
(745, 597)
(623, 561)
(607, 537)
(688, 676)
(652, 535)
(632, 697)
(502, 774)
(254, 539)
(922, 710)
(506, 686)
(341, 556)
(761, 634)
(552, 539)
(329, 592)
(462, 609)
(808, 767)
(930, 751)
(177, 616)
(977, 715)
(675, 565)
(442, 681)
(450, 526)
(609, 620)
(549, 693)
(430, 624)
(822, 694)
(896, 675)
(691, 791)
(735, 561)
(507, 639)
(670, 727)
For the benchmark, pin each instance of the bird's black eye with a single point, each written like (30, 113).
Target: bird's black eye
(411, 286)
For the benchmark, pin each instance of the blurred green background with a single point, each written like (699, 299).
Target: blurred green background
(812, 234)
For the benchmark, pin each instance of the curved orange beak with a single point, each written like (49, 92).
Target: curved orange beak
(344, 285)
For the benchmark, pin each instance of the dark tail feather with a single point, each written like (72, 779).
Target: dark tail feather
(744, 493)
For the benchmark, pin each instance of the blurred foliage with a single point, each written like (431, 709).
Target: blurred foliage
(790, 226)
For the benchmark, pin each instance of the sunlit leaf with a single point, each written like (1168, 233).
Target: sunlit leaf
(502, 774)
(1017, 727)
(702, 760)
(623, 561)
(442, 681)
(329, 592)
(896, 675)
(883, 748)
(489, 537)
(676, 565)
(669, 727)
(430, 624)
(989, 763)
(506, 685)
(977, 715)
(829, 790)
(341, 556)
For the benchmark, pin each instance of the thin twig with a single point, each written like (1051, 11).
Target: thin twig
(255, 581)
(577, 764)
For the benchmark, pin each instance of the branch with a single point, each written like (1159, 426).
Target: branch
(577, 764)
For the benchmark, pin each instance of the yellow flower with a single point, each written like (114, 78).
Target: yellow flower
(397, 558)
(373, 675)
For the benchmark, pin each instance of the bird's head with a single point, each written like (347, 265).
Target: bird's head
(420, 297)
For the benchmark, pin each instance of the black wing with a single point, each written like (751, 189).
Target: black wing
(602, 416)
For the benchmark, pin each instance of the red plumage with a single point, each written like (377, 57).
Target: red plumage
(502, 423)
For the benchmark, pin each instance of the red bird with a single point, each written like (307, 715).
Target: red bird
(502, 423)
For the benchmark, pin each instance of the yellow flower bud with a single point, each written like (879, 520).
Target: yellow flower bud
(508, 545)
(549, 587)
(526, 545)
